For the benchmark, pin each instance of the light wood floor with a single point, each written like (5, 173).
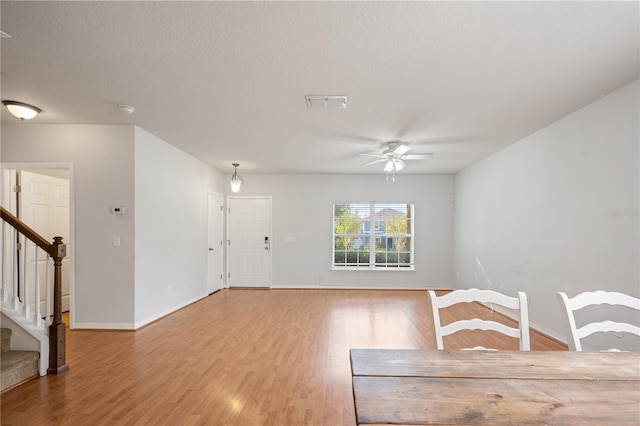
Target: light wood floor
(238, 357)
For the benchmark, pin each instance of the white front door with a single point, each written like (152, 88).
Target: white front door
(249, 241)
(44, 206)
(215, 248)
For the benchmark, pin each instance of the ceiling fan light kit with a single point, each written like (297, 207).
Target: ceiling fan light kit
(395, 156)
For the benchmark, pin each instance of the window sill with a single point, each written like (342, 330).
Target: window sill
(370, 269)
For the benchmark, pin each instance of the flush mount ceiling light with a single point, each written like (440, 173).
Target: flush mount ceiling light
(127, 109)
(236, 179)
(21, 110)
(326, 101)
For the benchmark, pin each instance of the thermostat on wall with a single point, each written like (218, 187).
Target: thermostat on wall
(117, 210)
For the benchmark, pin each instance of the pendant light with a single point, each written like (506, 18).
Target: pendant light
(236, 179)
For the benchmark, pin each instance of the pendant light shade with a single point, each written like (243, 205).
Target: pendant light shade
(21, 110)
(236, 179)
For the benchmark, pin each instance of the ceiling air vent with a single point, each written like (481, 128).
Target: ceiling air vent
(324, 102)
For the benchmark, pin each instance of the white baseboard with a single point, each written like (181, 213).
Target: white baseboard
(166, 312)
(340, 287)
(137, 325)
(103, 326)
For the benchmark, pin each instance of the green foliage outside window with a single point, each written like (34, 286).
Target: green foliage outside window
(387, 226)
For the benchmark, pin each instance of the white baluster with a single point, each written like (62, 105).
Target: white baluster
(37, 317)
(25, 278)
(47, 289)
(16, 266)
(4, 293)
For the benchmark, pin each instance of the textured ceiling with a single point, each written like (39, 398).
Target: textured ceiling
(226, 81)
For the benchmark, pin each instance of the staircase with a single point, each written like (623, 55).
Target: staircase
(28, 299)
(16, 366)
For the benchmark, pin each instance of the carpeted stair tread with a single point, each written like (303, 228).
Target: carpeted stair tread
(16, 366)
(17, 358)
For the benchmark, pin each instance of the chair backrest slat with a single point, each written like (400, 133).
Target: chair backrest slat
(478, 324)
(590, 298)
(518, 303)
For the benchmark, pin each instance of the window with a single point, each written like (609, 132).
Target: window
(373, 235)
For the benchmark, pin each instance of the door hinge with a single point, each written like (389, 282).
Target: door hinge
(17, 188)
(229, 275)
(221, 208)
(18, 246)
(220, 276)
(229, 211)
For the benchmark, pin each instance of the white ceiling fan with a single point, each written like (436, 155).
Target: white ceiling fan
(395, 156)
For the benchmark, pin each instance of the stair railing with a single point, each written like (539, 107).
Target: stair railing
(17, 289)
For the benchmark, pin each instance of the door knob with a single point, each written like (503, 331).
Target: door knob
(210, 248)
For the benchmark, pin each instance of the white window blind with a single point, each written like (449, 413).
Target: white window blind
(373, 235)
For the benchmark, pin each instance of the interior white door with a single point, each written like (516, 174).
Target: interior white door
(215, 244)
(249, 241)
(44, 206)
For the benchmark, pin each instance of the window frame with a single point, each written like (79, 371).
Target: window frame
(371, 236)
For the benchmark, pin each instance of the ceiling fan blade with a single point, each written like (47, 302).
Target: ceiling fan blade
(401, 149)
(417, 156)
(396, 148)
(374, 155)
(374, 162)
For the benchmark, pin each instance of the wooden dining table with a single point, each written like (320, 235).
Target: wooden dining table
(423, 387)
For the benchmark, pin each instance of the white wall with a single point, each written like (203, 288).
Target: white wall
(160, 264)
(20, 339)
(302, 208)
(171, 190)
(557, 211)
(102, 158)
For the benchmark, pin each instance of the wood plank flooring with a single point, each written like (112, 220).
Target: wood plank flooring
(238, 357)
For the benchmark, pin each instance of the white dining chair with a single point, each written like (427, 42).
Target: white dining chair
(518, 304)
(590, 298)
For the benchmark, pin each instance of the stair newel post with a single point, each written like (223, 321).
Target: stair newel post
(57, 350)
